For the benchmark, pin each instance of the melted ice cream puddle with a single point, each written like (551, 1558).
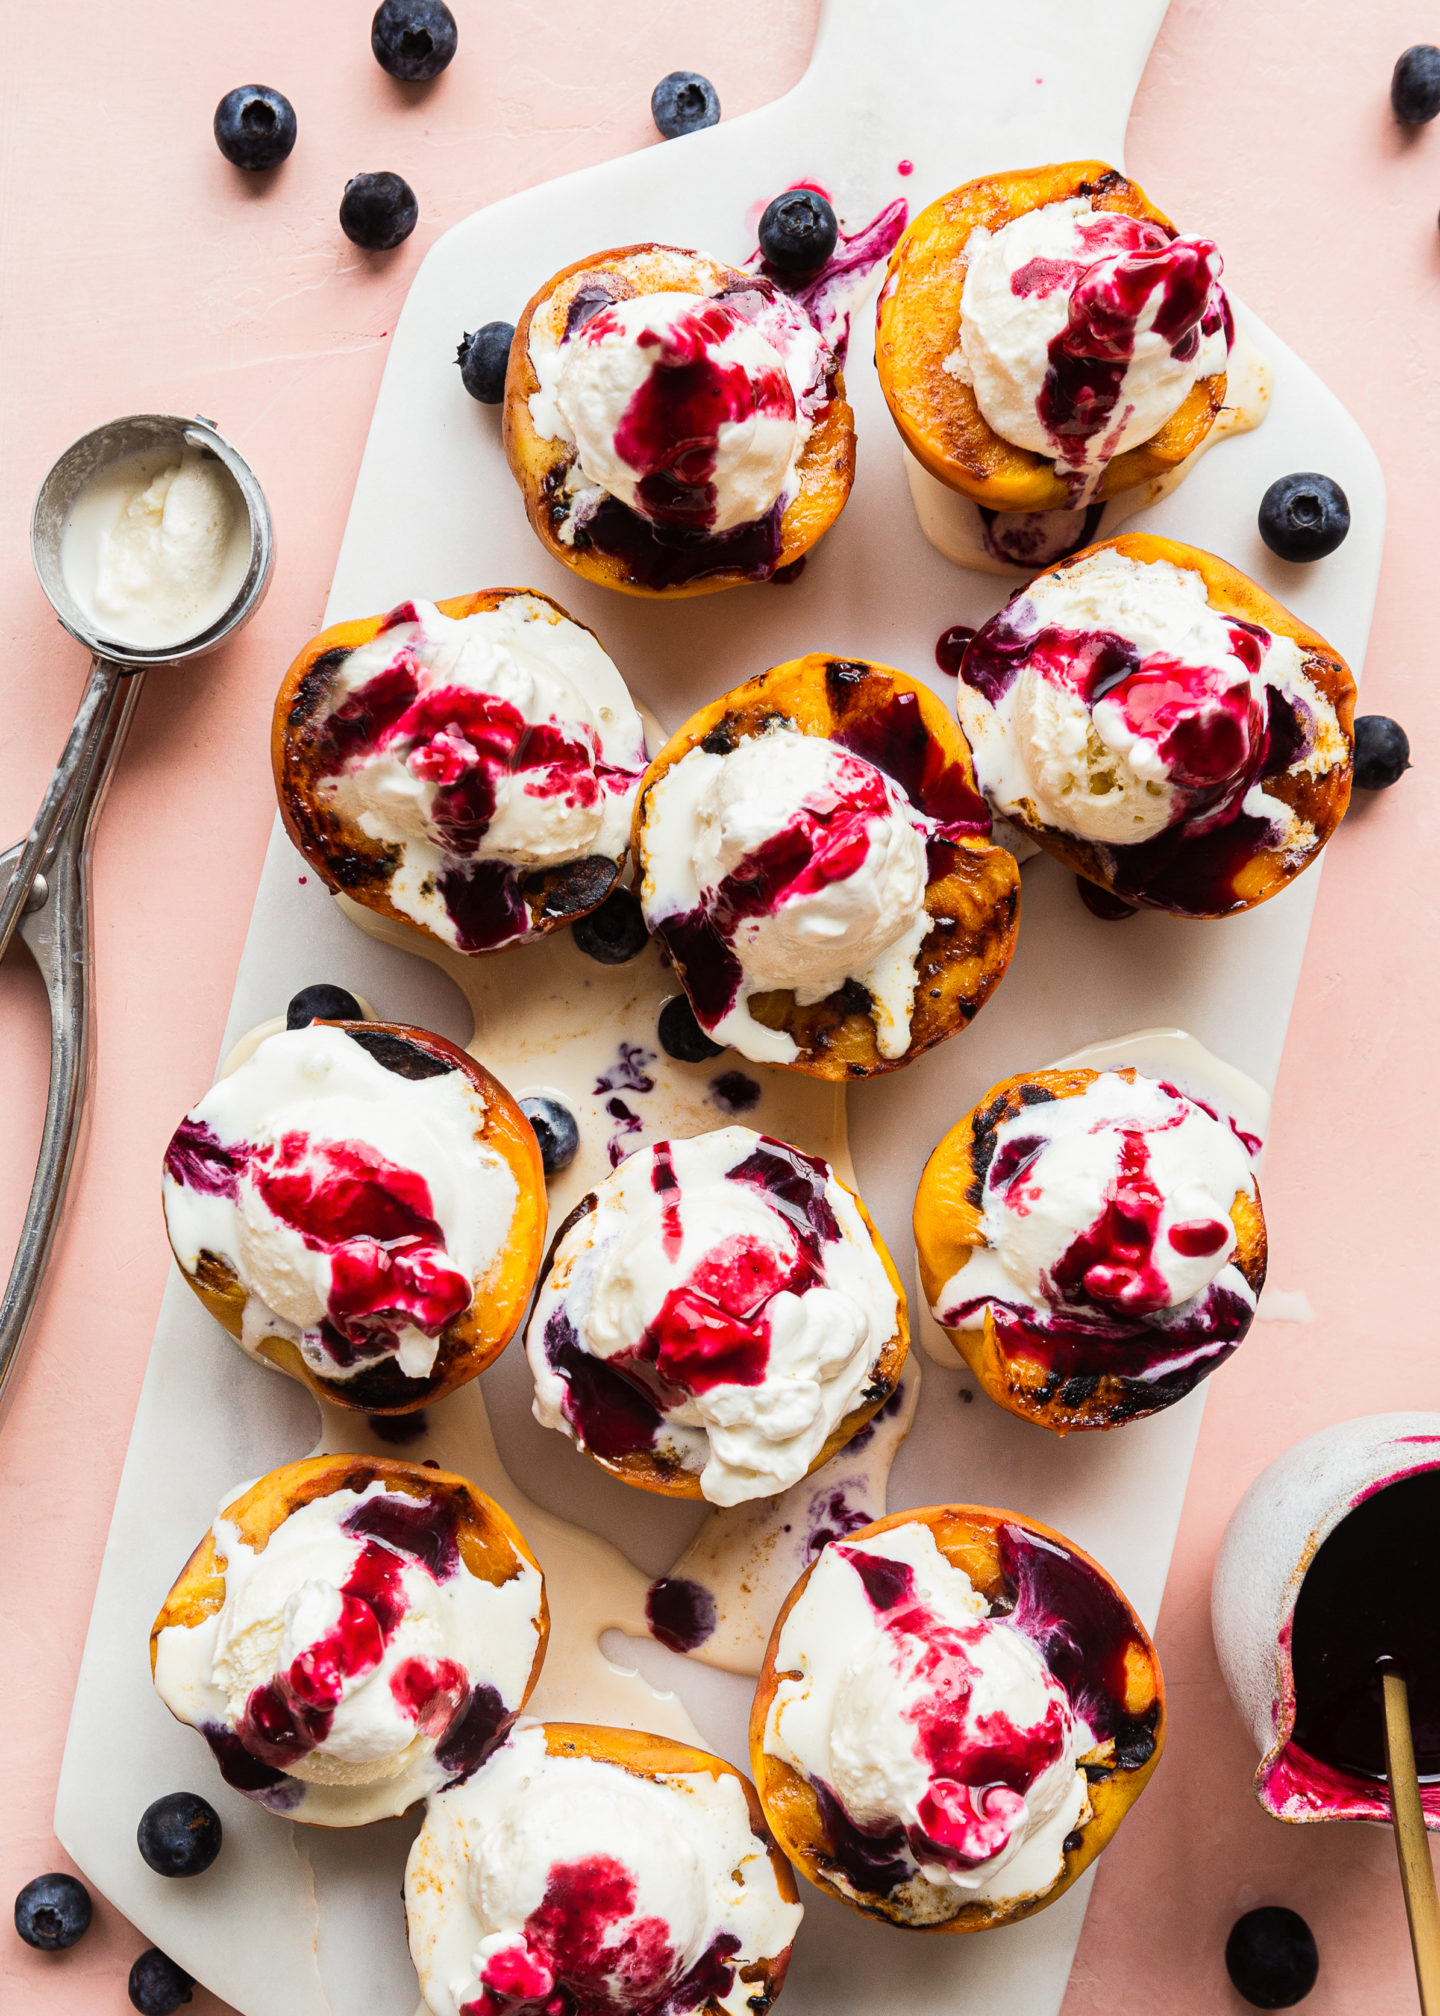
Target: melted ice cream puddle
(1017, 544)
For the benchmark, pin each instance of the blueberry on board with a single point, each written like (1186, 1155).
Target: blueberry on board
(615, 932)
(1382, 752)
(413, 39)
(683, 102)
(681, 1036)
(255, 126)
(483, 359)
(1271, 1957)
(798, 231)
(179, 1835)
(321, 1002)
(52, 1912)
(555, 1130)
(1415, 85)
(378, 212)
(1304, 516)
(157, 1985)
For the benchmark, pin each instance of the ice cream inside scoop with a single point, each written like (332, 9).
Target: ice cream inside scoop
(155, 548)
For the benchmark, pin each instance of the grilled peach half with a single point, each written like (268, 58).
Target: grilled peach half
(636, 560)
(1117, 1684)
(477, 1336)
(490, 1547)
(431, 1878)
(918, 326)
(1090, 1388)
(1209, 875)
(973, 896)
(649, 1470)
(346, 858)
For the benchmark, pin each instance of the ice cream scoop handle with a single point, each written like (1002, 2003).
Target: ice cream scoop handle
(1417, 1872)
(100, 697)
(56, 931)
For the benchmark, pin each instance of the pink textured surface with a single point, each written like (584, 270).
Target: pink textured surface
(139, 271)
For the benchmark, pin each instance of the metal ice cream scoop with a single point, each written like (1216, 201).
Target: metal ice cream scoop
(46, 877)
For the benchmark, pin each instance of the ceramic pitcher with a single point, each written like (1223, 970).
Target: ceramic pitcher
(1273, 1536)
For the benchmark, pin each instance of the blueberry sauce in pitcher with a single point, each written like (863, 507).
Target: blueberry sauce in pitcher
(1372, 1592)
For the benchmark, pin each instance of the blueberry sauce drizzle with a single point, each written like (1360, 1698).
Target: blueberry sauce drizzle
(288, 1716)
(980, 1774)
(466, 743)
(828, 297)
(1135, 262)
(676, 546)
(371, 1218)
(1368, 1596)
(713, 1328)
(950, 647)
(584, 1951)
(1110, 1315)
(1104, 903)
(980, 1767)
(1217, 737)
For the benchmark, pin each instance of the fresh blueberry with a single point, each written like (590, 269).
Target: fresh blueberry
(1304, 516)
(683, 102)
(1415, 85)
(1382, 752)
(157, 1985)
(179, 1835)
(1271, 1957)
(555, 1130)
(255, 126)
(413, 39)
(321, 1002)
(798, 231)
(52, 1912)
(615, 932)
(681, 1036)
(483, 359)
(378, 212)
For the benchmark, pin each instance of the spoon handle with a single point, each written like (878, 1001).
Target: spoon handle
(1417, 1872)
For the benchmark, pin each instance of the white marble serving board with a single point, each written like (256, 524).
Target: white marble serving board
(296, 1922)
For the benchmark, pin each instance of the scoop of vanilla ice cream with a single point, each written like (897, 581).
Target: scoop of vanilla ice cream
(684, 384)
(1006, 331)
(817, 939)
(1195, 1163)
(565, 1879)
(1113, 791)
(288, 1598)
(164, 555)
(302, 1095)
(523, 665)
(616, 1270)
(999, 1679)
(569, 1817)
(881, 1694)
(1089, 770)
